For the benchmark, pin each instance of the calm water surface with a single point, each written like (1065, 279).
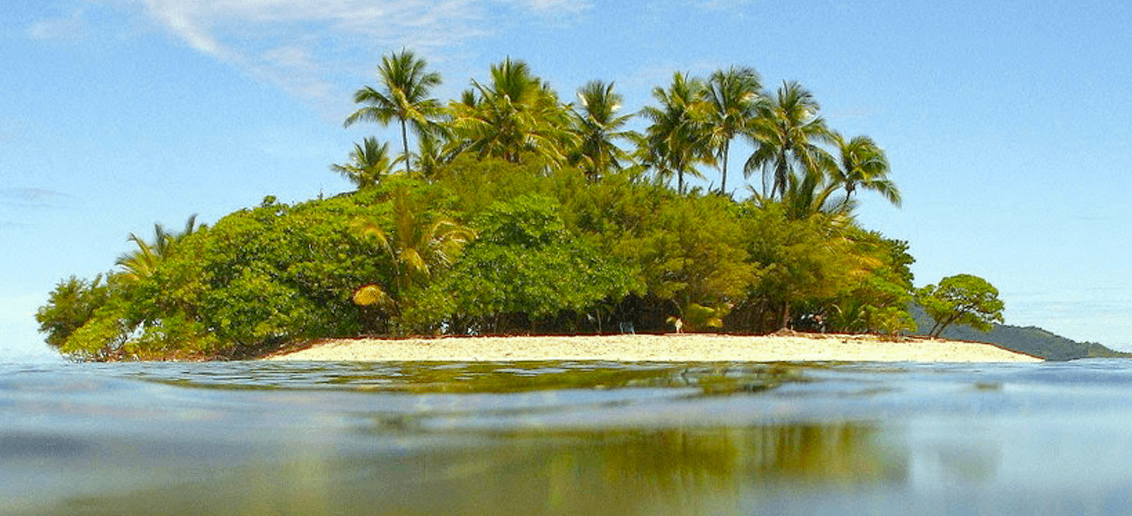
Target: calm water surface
(565, 438)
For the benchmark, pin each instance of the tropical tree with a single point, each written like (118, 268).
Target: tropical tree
(418, 244)
(801, 261)
(430, 155)
(142, 262)
(369, 162)
(70, 306)
(526, 267)
(961, 299)
(694, 258)
(599, 126)
(810, 194)
(862, 164)
(786, 134)
(676, 140)
(404, 96)
(733, 97)
(514, 114)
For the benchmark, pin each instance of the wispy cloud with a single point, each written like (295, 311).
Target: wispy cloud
(554, 6)
(69, 26)
(720, 5)
(31, 197)
(301, 45)
(16, 203)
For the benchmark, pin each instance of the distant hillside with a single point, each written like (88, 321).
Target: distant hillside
(1029, 340)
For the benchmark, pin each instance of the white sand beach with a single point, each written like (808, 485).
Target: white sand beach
(663, 348)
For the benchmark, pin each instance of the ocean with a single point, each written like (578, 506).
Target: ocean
(256, 438)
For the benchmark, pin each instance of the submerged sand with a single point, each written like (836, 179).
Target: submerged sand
(658, 348)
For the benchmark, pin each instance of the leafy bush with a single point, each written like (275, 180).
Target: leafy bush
(525, 267)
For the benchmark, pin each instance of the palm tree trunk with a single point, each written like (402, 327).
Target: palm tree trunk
(723, 183)
(405, 145)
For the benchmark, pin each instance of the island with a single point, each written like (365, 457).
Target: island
(518, 213)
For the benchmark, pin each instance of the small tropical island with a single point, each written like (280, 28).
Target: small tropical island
(517, 213)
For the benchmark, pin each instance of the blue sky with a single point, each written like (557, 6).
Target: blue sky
(1006, 123)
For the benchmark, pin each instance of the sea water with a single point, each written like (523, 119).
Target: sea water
(565, 438)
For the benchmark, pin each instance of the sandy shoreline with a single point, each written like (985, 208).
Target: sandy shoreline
(658, 348)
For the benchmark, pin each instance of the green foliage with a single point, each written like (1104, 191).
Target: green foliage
(733, 100)
(514, 116)
(599, 127)
(678, 137)
(70, 306)
(878, 300)
(786, 133)
(478, 183)
(693, 254)
(525, 267)
(258, 277)
(369, 164)
(800, 261)
(103, 335)
(961, 299)
(699, 317)
(417, 243)
(403, 95)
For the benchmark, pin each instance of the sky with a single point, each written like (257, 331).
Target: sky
(1006, 123)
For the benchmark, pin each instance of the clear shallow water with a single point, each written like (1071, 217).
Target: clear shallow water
(566, 438)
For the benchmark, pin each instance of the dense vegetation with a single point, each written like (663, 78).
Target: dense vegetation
(517, 212)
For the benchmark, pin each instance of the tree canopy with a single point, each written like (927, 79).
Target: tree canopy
(961, 299)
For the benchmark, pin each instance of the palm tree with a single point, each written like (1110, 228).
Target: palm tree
(807, 195)
(597, 123)
(404, 96)
(786, 134)
(812, 194)
(733, 97)
(514, 114)
(142, 262)
(369, 162)
(676, 140)
(862, 164)
(418, 244)
(430, 155)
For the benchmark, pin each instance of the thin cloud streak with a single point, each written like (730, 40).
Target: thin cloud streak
(64, 27)
(31, 197)
(299, 45)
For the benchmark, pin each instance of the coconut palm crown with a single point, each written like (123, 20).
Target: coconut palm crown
(369, 163)
(862, 164)
(599, 126)
(786, 134)
(733, 98)
(513, 114)
(404, 95)
(676, 140)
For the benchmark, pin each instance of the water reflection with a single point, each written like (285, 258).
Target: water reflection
(566, 438)
(683, 471)
(471, 377)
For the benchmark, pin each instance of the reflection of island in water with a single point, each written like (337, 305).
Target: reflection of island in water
(599, 472)
(532, 438)
(698, 470)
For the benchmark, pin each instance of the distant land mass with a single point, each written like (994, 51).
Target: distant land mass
(1030, 340)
